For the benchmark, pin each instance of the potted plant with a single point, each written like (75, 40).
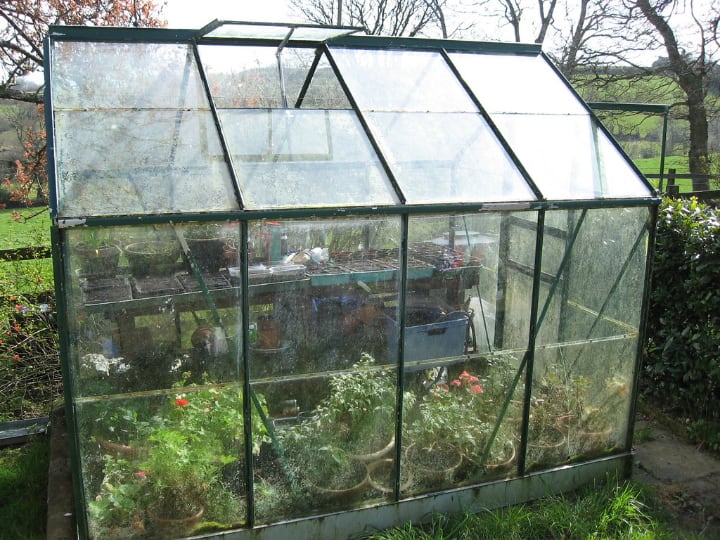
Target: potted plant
(97, 254)
(206, 243)
(360, 409)
(152, 257)
(179, 479)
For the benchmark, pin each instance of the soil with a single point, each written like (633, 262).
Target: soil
(685, 477)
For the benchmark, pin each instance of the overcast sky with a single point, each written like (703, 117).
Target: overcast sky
(197, 13)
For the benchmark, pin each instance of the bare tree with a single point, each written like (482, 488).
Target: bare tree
(24, 24)
(378, 17)
(605, 44)
(519, 14)
(690, 71)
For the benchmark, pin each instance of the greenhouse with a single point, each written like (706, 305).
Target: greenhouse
(314, 283)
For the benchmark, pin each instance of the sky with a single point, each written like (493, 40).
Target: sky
(197, 13)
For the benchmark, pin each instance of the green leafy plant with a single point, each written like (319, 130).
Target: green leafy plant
(681, 367)
(188, 441)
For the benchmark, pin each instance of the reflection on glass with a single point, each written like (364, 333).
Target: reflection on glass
(516, 84)
(176, 163)
(299, 157)
(401, 81)
(175, 313)
(125, 76)
(569, 157)
(442, 157)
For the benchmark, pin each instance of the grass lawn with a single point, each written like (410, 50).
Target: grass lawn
(613, 510)
(34, 230)
(23, 490)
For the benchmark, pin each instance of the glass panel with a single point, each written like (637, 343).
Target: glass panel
(155, 326)
(124, 75)
(304, 158)
(581, 402)
(453, 401)
(603, 278)
(108, 138)
(141, 320)
(323, 300)
(325, 91)
(444, 157)
(279, 32)
(244, 77)
(410, 81)
(151, 161)
(576, 162)
(516, 84)
(582, 388)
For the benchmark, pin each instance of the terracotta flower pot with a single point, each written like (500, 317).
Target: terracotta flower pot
(174, 526)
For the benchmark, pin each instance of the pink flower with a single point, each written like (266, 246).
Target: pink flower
(464, 375)
(473, 379)
(182, 402)
(16, 358)
(456, 382)
(141, 474)
(476, 389)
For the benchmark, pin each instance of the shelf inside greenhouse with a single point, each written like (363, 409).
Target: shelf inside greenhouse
(311, 280)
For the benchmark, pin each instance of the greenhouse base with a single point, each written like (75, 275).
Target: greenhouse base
(365, 521)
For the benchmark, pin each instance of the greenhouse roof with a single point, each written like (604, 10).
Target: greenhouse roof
(263, 117)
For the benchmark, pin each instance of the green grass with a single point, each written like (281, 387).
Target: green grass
(623, 510)
(34, 230)
(23, 490)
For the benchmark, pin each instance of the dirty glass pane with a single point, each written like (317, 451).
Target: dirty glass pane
(132, 120)
(587, 341)
(603, 275)
(409, 81)
(516, 84)
(455, 308)
(325, 91)
(151, 161)
(137, 302)
(569, 157)
(155, 358)
(300, 157)
(447, 157)
(124, 76)
(438, 147)
(323, 356)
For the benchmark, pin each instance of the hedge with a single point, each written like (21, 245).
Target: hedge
(682, 361)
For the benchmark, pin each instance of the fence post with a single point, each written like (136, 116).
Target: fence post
(672, 189)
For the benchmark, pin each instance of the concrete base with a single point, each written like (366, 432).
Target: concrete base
(61, 523)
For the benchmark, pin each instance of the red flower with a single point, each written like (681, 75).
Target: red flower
(16, 358)
(18, 307)
(182, 402)
(476, 389)
(141, 474)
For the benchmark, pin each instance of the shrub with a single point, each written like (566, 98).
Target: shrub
(682, 364)
(29, 360)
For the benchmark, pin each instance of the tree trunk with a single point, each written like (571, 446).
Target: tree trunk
(690, 75)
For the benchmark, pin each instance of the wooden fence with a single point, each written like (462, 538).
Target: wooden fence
(669, 186)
